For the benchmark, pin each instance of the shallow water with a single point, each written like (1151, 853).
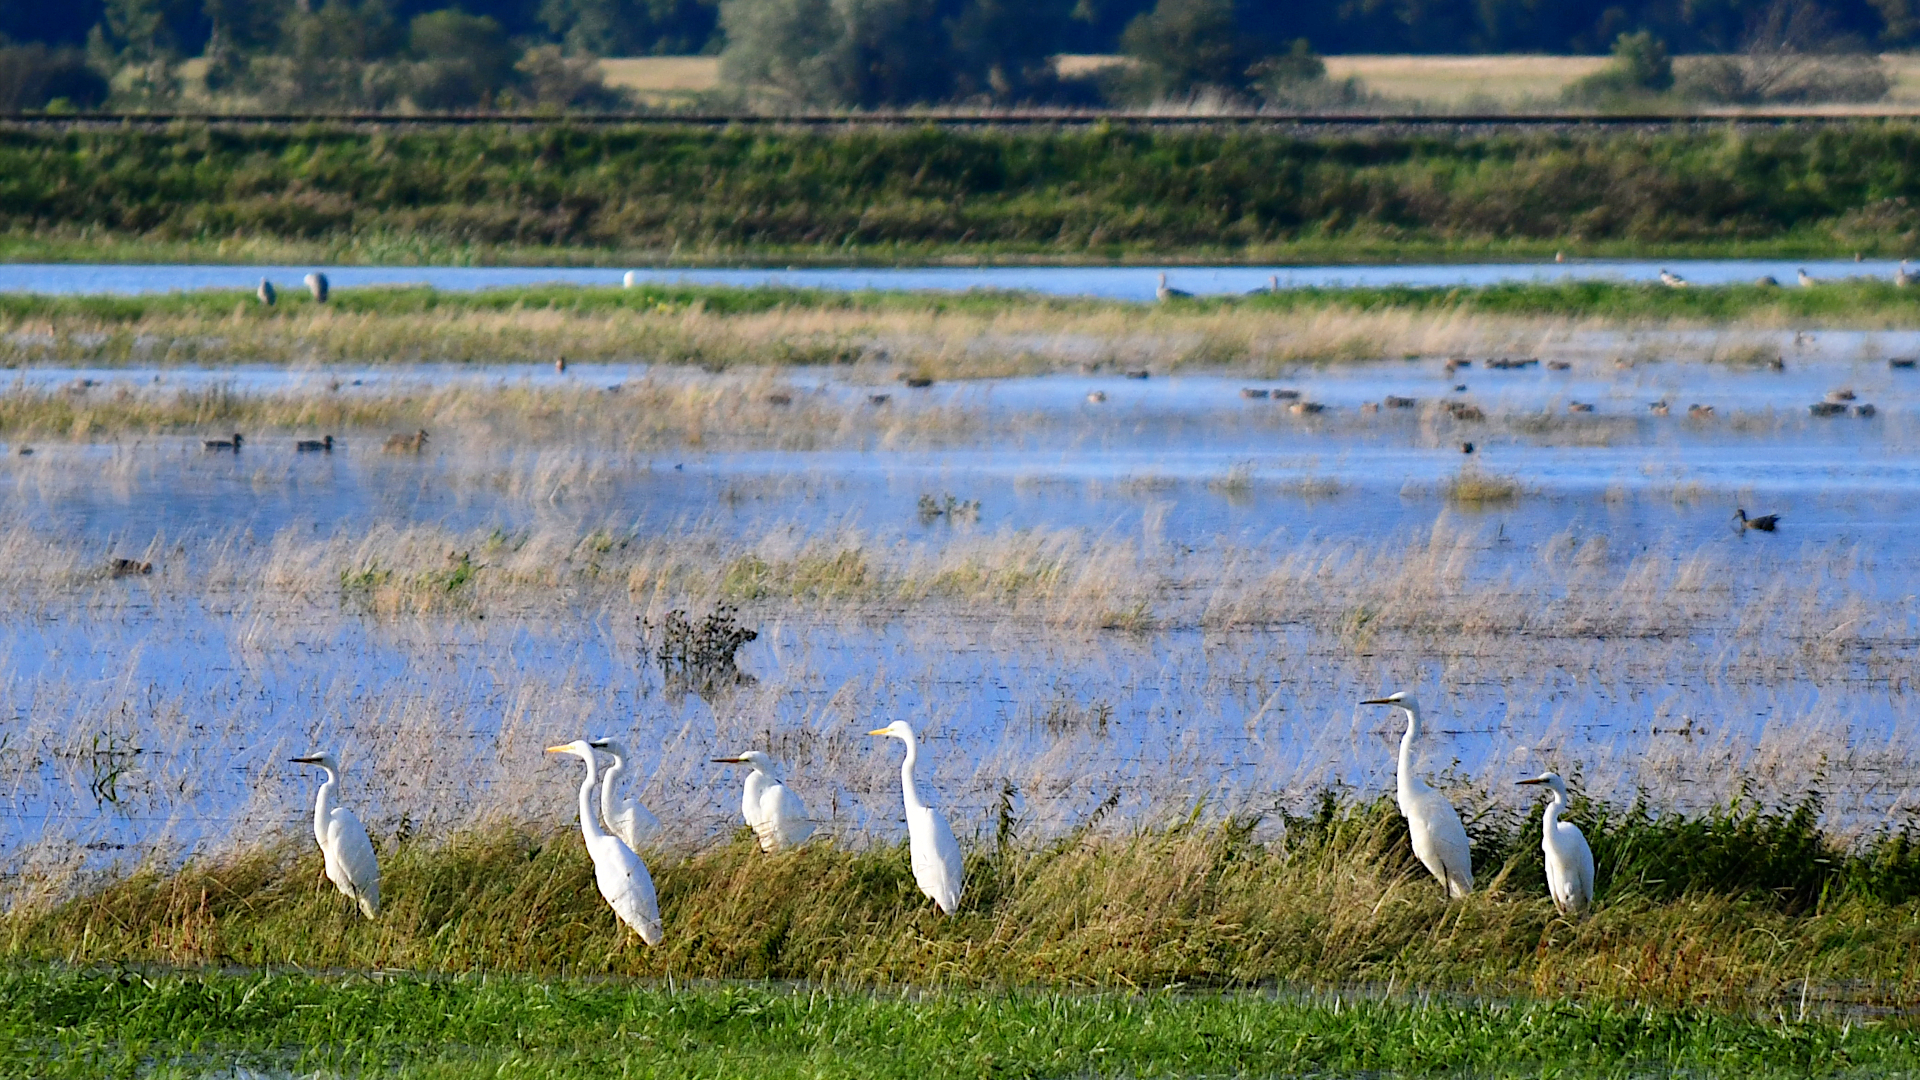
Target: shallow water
(1115, 283)
(156, 713)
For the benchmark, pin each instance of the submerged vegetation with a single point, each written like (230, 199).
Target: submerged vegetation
(581, 194)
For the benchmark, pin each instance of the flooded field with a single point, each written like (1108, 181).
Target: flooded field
(1105, 600)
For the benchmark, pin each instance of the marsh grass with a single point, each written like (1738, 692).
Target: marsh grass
(1474, 488)
(942, 336)
(1740, 905)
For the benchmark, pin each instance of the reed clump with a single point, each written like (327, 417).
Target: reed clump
(1739, 905)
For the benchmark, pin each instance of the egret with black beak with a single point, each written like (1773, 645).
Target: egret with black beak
(626, 817)
(1569, 859)
(621, 876)
(351, 865)
(772, 810)
(935, 854)
(1439, 840)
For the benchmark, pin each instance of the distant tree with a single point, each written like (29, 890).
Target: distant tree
(1793, 53)
(560, 81)
(632, 27)
(237, 31)
(1184, 46)
(462, 61)
(1003, 50)
(831, 53)
(1640, 67)
(34, 77)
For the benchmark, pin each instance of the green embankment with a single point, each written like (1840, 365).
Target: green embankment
(61, 1023)
(590, 195)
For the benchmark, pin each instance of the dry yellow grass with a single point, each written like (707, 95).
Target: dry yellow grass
(656, 78)
(1455, 80)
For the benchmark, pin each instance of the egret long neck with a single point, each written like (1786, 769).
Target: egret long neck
(1555, 806)
(606, 788)
(1410, 782)
(323, 803)
(907, 789)
(589, 825)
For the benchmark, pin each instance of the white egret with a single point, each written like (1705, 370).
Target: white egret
(626, 817)
(935, 854)
(621, 876)
(351, 865)
(1439, 840)
(1569, 859)
(773, 811)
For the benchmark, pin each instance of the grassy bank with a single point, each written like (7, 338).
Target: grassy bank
(60, 1023)
(952, 335)
(505, 194)
(1737, 906)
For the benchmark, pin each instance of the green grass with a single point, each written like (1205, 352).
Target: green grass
(488, 194)
(56, 1022)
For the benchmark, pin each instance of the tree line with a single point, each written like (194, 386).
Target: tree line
(430, 55)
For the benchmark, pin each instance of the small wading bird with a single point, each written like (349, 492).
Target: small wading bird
(266, 292)
(771, 809)
(232, 444)
(1167, 292)
(1672, 280)
(621, 876)
(1904, 277)
(317, 285)
(626, 817)
(934, 853)
(406, 444)
(343, 840)
(1807, 281)
(1439, 840)
(1272, 286)
(315, 446)
(1569, 859)
(1763, 523)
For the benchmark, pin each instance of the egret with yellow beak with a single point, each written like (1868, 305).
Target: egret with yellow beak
(935, 854)
(621, 876)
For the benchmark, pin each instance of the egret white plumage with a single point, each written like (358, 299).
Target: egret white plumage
(629, 279)
(771, 809)
(1439, 840)
(626, 817)
(351, 865)
(623, 879)
(935, 854)
(1569, 859)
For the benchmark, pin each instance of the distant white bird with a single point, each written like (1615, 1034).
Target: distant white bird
(266, 292)
(1166, 292)
(1272, 286)
(621, 876)
(625, 816)
(351, 865)
(770, 807)
(317, 285)
(935, 854)
(1807, 281)
(628, 279)
(1569, 859)
(1439, 840)
(1672, 280)
(1904, 277)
